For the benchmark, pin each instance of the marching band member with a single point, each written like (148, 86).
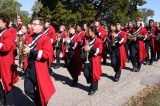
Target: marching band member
(37, 83)
(137, 47)
(8, 72)
(51, 33)
(128, 31)
(117, 53)
(150, 42)
(102, 34)
(61, 35)
(74, 61)
(92, 66)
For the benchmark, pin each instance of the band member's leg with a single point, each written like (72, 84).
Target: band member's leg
(93, 88)
(2, 95)
(58, 51)
(134, 57)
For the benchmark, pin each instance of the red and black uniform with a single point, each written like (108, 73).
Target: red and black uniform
(60, 47)
(73, 59)
(102, 34)
(137, 48)
(158, 43)
(150, 43)
(126, 45)
(117, 53)
(8, 72)
(51, 33)
(92, 69)
(37, 83)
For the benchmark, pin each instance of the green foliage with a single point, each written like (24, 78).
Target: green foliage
(64, 14)
(74, 11)
(10, 6)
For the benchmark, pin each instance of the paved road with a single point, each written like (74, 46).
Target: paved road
(109, 94)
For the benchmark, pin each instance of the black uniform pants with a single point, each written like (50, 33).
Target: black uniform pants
(115, 61)
(2, 95)
(149, 49)
(134, 55)
(89, 76)
(58, 52)
(30, 84)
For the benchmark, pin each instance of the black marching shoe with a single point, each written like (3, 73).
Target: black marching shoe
(134, 69)
(115, 79)
(138, 69)
(51, 72)
(2, 103)
(74, 83)
(91, 92)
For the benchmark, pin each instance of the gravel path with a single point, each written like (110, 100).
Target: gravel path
(109, 94)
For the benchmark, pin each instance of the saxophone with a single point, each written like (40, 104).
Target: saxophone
(58, 37)
(113, 38)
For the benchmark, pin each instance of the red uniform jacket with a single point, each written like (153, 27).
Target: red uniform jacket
(153, 38)
(96, 60)
(8, 70)
(82, 35)
(142, 51)
(45, 84)
(102, 34)
(51, 33)
(63, 35)
(76, 56)
(122, 50)
(14, 35)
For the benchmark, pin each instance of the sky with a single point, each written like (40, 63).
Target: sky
(27, 5)
(151, 4)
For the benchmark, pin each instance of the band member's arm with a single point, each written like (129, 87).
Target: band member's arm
(96, 51)
(44, 53)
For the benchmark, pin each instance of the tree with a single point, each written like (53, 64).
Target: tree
(86, 10)
(133, 10)
(64, 13)
(10, 6)
(146, 13)
(36, 8)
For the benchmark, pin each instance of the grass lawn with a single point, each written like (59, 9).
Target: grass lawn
(150, 96)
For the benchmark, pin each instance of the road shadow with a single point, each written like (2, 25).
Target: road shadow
(68, 81)
(20, 98)
(106, 64)
(127, 68)
(55, 64)
(107, 76)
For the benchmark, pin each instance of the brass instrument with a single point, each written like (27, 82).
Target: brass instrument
(58, 38)
(67, 44)
(135, 37)
(87, 52)
(113, 38)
